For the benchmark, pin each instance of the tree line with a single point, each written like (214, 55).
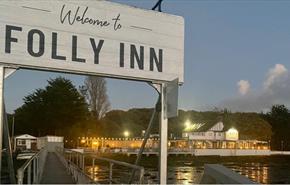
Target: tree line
(62, 109)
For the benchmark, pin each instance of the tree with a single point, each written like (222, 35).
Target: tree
(52, 110)
(279, 118)
(95, 91)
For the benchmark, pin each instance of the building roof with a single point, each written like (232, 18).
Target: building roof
(203, 127)
(25, 136)
(199, 127)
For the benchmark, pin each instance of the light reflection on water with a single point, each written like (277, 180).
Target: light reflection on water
(189, 173)
(176, 175)
(98, 173)
(254, 171)
(185, 175)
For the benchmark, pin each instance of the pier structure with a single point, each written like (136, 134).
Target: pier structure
(88, 38)
(66, 166)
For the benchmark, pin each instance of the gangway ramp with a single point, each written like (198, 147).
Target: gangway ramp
(54, 171)
(65, 166)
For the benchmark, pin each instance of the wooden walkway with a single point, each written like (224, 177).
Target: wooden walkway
(54, 172)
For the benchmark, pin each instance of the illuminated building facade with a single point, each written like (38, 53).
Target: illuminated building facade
(195, 136)
(215, 136)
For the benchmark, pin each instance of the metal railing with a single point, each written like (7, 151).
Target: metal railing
(78, 174)
(32, 169)
(76, 161)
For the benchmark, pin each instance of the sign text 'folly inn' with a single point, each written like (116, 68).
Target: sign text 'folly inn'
(92, 37)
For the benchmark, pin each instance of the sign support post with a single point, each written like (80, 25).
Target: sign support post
(2, 74)
(163, 132)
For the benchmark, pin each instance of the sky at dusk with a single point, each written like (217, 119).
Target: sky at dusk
(237, 56)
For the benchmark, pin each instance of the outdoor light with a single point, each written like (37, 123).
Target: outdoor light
(232, 134)
(126, 134)
(83, 141)
(232, 131)
(187, 124)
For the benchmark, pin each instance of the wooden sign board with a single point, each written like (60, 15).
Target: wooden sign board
(92, 37)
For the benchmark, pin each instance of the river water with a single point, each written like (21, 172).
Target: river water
(189, 169)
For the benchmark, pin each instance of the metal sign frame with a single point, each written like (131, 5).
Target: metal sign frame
(147, 45)
(92, 38)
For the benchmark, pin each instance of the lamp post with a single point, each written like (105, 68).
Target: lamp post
(143, 133)
(282, 145)
(187, 125)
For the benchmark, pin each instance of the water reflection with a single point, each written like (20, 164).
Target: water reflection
(185, 175)
(255, 171)
(188, 171)
(98, 173)
(181, 175)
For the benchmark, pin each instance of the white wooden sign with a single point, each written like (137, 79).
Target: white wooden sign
(92, 37)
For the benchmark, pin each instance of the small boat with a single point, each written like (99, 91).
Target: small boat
(24, 155)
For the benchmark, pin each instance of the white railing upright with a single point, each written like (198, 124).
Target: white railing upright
(34, 167)
(75, 163)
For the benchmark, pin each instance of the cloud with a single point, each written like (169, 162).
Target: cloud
(276, 73)
(276, 90)
(244, 87)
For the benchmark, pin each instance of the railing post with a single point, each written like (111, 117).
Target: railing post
(141, 176)
(34, 172)
(93, 169)
(29, 174)
(37, 169)
(111, 172)
(20, 177)
(83, 163)
(77, 159)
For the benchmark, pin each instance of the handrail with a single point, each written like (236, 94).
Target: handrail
(77, 173)
(36, 164)
(27, 162)
(117, 162)
(79, 163)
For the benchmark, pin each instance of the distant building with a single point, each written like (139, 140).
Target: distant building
(215, 136)
(50, 142)
(25, 142)
(198, 138)
(209, 131)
